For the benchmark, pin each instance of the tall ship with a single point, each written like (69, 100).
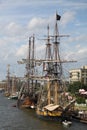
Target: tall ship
(11, 89)
(8, 85)
(27, 97)
(53, 102)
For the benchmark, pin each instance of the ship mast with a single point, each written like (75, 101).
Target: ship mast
(47, 68)
(52, 66)
(8, 79)
(33, 63)
(59, 86)
(48, 55)
(57, 65)
(30, 64)
(56, 55)
(13, 84)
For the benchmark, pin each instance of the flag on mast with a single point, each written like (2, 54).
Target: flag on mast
(58, 17)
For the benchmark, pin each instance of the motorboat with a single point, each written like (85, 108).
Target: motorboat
(66, 123)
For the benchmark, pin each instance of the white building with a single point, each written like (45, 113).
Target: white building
(78, 75)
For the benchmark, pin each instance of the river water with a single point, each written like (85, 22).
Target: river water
(12, 118)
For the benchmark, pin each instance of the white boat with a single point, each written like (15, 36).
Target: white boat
(14, 96)
(66, 123)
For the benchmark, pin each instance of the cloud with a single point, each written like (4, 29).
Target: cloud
(22, 51)
(13, 29)
(36, 22)
(82, 51)
(20, 19)
(67, 17)
(78, 46)
(74, 5)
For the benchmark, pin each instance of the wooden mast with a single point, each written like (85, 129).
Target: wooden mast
(8, 79)
(57, 65)
(13, 85)
(48, 89)
(48, 69)
(28, 71)
(33, 40)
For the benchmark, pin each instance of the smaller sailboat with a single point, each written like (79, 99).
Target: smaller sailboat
(14, 93)
(7, 88)
(14, 96)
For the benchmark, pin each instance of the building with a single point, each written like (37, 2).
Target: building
(78, 75)
(2, 85)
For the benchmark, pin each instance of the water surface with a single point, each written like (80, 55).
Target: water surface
(12, 118)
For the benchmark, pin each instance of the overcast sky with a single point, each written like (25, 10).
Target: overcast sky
(20, 19)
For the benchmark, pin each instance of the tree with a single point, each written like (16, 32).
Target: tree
(80, 100)
(74, 87)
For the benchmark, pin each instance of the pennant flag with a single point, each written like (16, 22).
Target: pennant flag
(58, 17)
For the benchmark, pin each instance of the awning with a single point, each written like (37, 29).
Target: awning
(52, 107)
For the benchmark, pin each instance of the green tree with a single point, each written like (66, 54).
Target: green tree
(74, 87)
(80, 100)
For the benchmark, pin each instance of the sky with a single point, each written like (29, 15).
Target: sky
(20, 19)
